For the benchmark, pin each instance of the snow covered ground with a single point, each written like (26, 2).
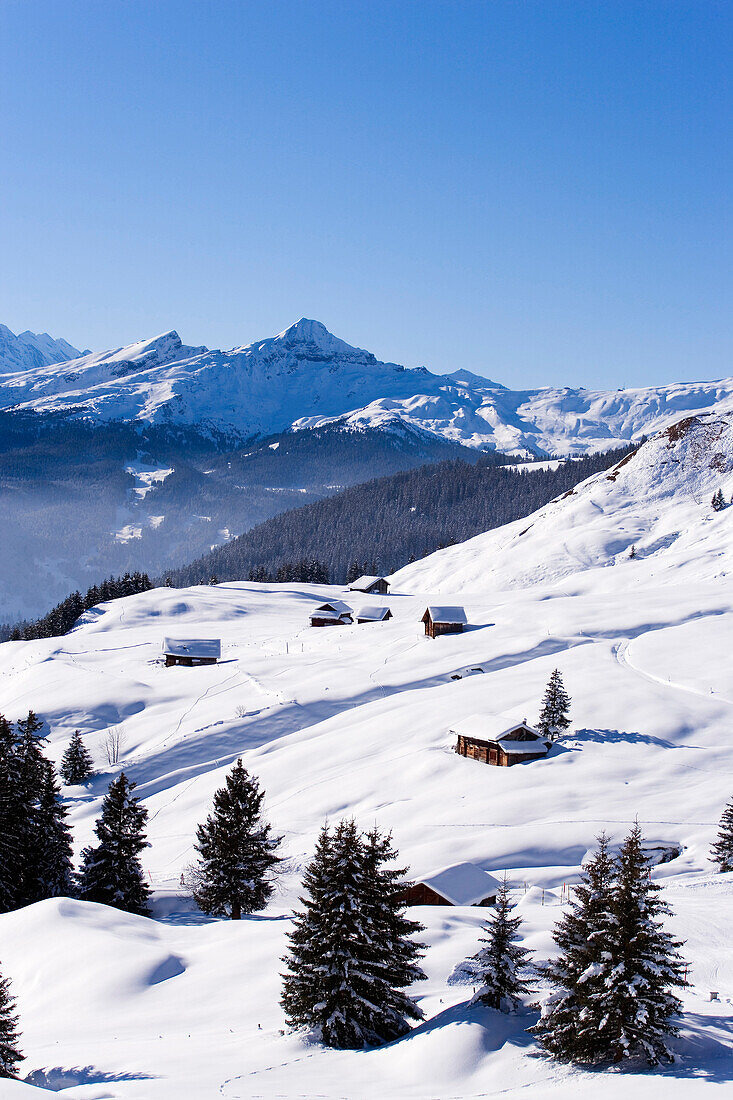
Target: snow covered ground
(357, 720)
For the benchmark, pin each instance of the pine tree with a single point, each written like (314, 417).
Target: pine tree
(30, 771)
(395, 958)
(76, 765)
(10, 1054)
(718, 501)
(722, 850)
(553, 718)
(11, 816)
(632, 552)
(237, 851)
(111, 872)
(639, 1004)
(52, 871)
(572, 1019)
(349, 957)
(499, 964)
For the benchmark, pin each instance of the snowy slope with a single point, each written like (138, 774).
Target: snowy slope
(305, 377)
(357, 720)
(28, 350)
(657, 501)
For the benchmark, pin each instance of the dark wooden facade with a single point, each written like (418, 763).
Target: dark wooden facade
(493, 752)
(189, 662)
(330, 621)
(420, 894)
(383, 618)
(378, 587)
(434, 630)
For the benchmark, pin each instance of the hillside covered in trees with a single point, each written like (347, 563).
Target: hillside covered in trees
(383, 524)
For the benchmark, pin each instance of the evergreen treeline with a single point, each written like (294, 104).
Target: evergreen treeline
(61, 619)
(393, 520)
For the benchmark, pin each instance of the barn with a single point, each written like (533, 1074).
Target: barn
(461, 884)
(496, 739)
(373, 586)
(191, 651)
(444, 620)
(335, 613)
(373, 614)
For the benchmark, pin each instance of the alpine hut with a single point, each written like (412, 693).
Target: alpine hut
(373, 614)
(462, 884)
(373, 586)
(495, 739)
(335, 613)
(191, 651)
(444, 620)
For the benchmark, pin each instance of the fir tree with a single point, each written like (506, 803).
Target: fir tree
(718, 501)
(572, 1019)
(395, 959)
(639, 1004)
(237, 851)
(553, 719)
(499, 964)
(11, 816)
(30, 773)
(10, 1054)
(52, 872)
(348, 958)
(76, 765)
(111, 872)
(722, 850)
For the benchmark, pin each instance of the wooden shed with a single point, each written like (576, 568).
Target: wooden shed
(374, 586)
(191, 651)
(495, 739)
(461, 884)
(373, 614)
(335, 613)
(444, 620)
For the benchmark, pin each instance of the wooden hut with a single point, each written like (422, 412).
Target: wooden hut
(495, 739)
(335, 613)
(191, 651)
(373, 614)
(444, 620)
(374, 586)
(462, 884)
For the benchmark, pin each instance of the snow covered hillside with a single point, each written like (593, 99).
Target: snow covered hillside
(656, 501)
(357, 720)
(306, 377)
(28, 350)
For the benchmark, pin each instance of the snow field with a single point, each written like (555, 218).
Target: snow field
(356, 720)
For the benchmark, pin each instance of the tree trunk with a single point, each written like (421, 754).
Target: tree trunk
(236, 911)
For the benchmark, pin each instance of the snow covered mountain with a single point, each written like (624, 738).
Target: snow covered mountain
(306, 377)
(657, 501)
(29, 350)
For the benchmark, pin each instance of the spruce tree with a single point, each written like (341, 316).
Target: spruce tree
(10, 1054)
(572, 1020)
(51, 872)
(718, 501)
(498, 966)
(76, 764)
(722, 850)
(111, 872)
(11, 816)
(395, 960)
(639, 1004)
(349, 960)
(30, 772)
(553, 720)
(237, 851)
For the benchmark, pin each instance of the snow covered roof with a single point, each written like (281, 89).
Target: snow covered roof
(447, 615)
(338, 606)
(192, 647)
(462, 884)
(373, 613)
(498, 727)
(363, 584)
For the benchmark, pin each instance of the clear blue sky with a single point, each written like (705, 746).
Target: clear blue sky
(536, 191)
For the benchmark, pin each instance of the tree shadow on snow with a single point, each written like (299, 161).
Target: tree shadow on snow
(617, 737)
(58, 1078)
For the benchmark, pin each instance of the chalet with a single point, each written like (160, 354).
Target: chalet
(335, 613)
(495, 739)
(462, 884)
(373, 614)
(191, 651)
(374, 586)
(444, 620)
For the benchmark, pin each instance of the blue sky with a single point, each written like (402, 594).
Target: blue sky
(538, 192)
